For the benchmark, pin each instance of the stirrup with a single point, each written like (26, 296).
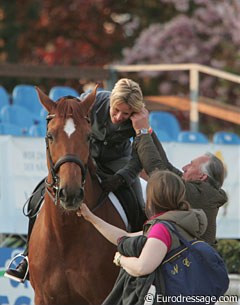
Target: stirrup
(12, 260)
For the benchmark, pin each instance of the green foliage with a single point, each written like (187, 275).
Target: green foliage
(229, 249)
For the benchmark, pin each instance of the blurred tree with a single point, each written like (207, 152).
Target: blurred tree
(17, 18)
(77, 32)
(59, 32)
(207, 33)
(72, 32)
(199, 31)
(91, 32)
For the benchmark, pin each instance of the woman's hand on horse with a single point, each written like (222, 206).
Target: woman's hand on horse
(84, 212)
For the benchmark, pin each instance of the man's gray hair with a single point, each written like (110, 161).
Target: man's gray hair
(214, 169)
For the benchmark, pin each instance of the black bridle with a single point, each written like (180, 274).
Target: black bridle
(53, 188)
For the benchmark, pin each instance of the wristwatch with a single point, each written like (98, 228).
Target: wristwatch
(143, 131)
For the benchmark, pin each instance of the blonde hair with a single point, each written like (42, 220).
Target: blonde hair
(165, 192)
(129, 92)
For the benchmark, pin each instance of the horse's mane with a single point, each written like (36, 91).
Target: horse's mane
(69, 107)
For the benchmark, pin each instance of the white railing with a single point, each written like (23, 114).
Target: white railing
(194, 70)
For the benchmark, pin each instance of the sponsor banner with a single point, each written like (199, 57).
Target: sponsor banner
(23, 165)
(12, 292)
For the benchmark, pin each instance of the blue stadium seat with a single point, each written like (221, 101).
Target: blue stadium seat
(17, 115)
(4, 97)
(59, 91)
(163, 136)
(11, 129)
(192, 137)
(26, 96)
(38, 130)
(224, 137)
(165, 121)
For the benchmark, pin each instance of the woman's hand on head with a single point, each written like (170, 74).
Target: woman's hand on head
(85, 212)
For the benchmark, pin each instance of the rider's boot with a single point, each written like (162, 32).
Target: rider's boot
(20, 274)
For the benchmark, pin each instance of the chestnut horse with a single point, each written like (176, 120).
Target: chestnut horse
(70, 262)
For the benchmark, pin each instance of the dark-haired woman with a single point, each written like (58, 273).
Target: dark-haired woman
(165, 201)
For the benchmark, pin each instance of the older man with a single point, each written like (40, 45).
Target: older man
(203, 176)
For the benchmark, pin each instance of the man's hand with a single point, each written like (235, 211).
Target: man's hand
(140, 120)
(112, 183)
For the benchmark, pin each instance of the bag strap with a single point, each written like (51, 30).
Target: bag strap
(173, 229)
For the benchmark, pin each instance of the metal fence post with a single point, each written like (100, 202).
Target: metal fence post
(194, 94)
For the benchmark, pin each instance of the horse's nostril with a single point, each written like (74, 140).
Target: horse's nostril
(81, 193)
(62, 194)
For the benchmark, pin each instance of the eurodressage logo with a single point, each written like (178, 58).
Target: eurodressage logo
(12, 292)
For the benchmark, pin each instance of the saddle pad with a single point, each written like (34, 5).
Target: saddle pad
(116, 203)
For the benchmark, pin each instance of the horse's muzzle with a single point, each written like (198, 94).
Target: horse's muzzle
(71, 199)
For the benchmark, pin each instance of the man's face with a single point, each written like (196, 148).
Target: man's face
(120, 112)
(192, 171)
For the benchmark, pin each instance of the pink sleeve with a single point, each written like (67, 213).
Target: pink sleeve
(160, 232)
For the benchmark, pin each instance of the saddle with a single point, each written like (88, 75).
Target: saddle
(135, 215)
(35, 201)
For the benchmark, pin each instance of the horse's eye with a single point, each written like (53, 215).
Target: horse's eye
(50, 136)
(88, 119)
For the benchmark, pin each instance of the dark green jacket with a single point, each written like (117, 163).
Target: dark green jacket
(190, 224)
(200, 194)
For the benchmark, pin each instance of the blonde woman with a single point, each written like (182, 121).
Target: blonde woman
(111, 132)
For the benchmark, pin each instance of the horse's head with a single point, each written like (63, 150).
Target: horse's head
(67, 142)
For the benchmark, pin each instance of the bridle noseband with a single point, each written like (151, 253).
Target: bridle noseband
(53, 188)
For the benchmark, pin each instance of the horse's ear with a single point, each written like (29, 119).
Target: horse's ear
(89, 100)
(47, 103)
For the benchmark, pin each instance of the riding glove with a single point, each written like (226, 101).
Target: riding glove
(112, 183)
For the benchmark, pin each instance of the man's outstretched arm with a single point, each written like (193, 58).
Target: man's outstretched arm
(150, 150)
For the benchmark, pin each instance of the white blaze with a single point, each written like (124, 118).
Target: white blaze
(69, 127)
